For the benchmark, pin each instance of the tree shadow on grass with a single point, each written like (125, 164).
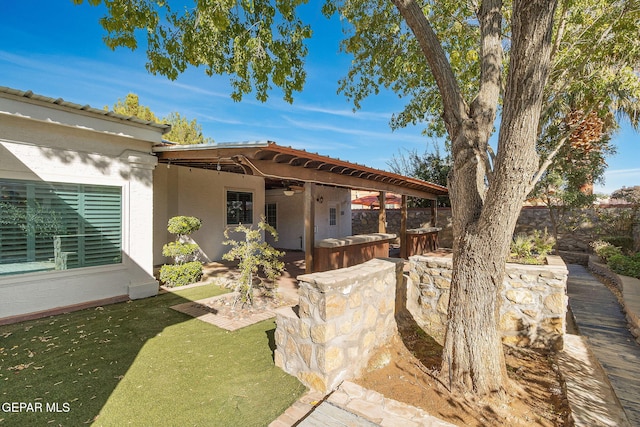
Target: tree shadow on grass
(141, 362)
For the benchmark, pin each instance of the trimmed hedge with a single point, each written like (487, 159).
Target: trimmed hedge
(182, 225)
(181, 274)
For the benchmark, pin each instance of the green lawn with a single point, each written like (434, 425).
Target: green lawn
(140, 363)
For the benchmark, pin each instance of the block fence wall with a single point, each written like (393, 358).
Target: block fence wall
(581, 226)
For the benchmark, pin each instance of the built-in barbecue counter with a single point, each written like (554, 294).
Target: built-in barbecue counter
(421, 240)
(331, 254)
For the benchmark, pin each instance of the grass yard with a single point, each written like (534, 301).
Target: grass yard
(141, 363)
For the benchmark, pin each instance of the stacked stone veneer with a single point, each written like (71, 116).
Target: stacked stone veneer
(342, 316)
(533, 300)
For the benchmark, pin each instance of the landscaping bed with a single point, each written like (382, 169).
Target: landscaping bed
(406, 370)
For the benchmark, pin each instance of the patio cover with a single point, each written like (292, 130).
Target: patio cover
(282, 166)
(286, 167)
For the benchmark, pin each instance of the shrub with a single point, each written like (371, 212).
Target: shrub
(187, 269)
(605, 250)
(521, 246)
(181, 252)
(183, 225)
(543, 243)
(253, 254)
(623, 242)
(181, 274)
(531, 249)
(625, 265)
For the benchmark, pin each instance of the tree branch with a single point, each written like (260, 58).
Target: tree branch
(490, 17)
(455, 108)
(545, 165)
(561, 27)
(549, 159)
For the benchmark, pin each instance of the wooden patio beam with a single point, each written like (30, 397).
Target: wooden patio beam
(286, 171)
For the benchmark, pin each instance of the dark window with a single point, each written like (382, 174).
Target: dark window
(270, 212)
(333, 216)
(54, 226)
(239, 208)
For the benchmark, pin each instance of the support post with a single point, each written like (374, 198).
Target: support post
(309, 226)
(403, 228)
(382, 213)
(434, 212)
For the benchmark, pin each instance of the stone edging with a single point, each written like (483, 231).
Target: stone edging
(602, 269)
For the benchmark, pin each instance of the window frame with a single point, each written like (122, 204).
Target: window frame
(244, 210)
(275, 214)
(333, 219)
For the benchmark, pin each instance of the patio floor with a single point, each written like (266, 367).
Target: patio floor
(227, 271)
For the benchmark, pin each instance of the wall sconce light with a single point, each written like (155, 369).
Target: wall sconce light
(320, 199)
(169, 165)
(218, 166)
(288, 192)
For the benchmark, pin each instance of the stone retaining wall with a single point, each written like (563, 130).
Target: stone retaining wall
(342, 316)
(534, 300)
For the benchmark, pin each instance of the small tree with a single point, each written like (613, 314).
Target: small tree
(186, 268)
(432, 167)
(253, 252)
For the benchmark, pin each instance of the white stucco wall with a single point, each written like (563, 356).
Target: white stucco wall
(44, 142)
(200, 193)
(340, 198)
(289, 220)
(290, 215)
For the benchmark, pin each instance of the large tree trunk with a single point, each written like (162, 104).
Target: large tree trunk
(485, 212)
(485, 204)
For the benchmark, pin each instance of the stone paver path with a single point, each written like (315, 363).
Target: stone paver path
(328, 415)
(600, 318)
(201, 311)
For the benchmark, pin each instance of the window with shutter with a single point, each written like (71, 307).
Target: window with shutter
(56, 226)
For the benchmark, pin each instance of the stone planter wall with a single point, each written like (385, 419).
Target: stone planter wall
(342, 316)
(534, 300)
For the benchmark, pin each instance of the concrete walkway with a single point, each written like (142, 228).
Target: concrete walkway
(354, 406)
(599, 317)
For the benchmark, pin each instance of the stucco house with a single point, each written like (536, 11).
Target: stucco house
(85, 196)
(76, 198)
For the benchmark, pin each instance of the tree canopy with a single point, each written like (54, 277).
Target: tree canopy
(259, 44)
(183, 130)
(429, 166)
(545, 66)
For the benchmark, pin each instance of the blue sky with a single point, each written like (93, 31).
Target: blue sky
(55, 49)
